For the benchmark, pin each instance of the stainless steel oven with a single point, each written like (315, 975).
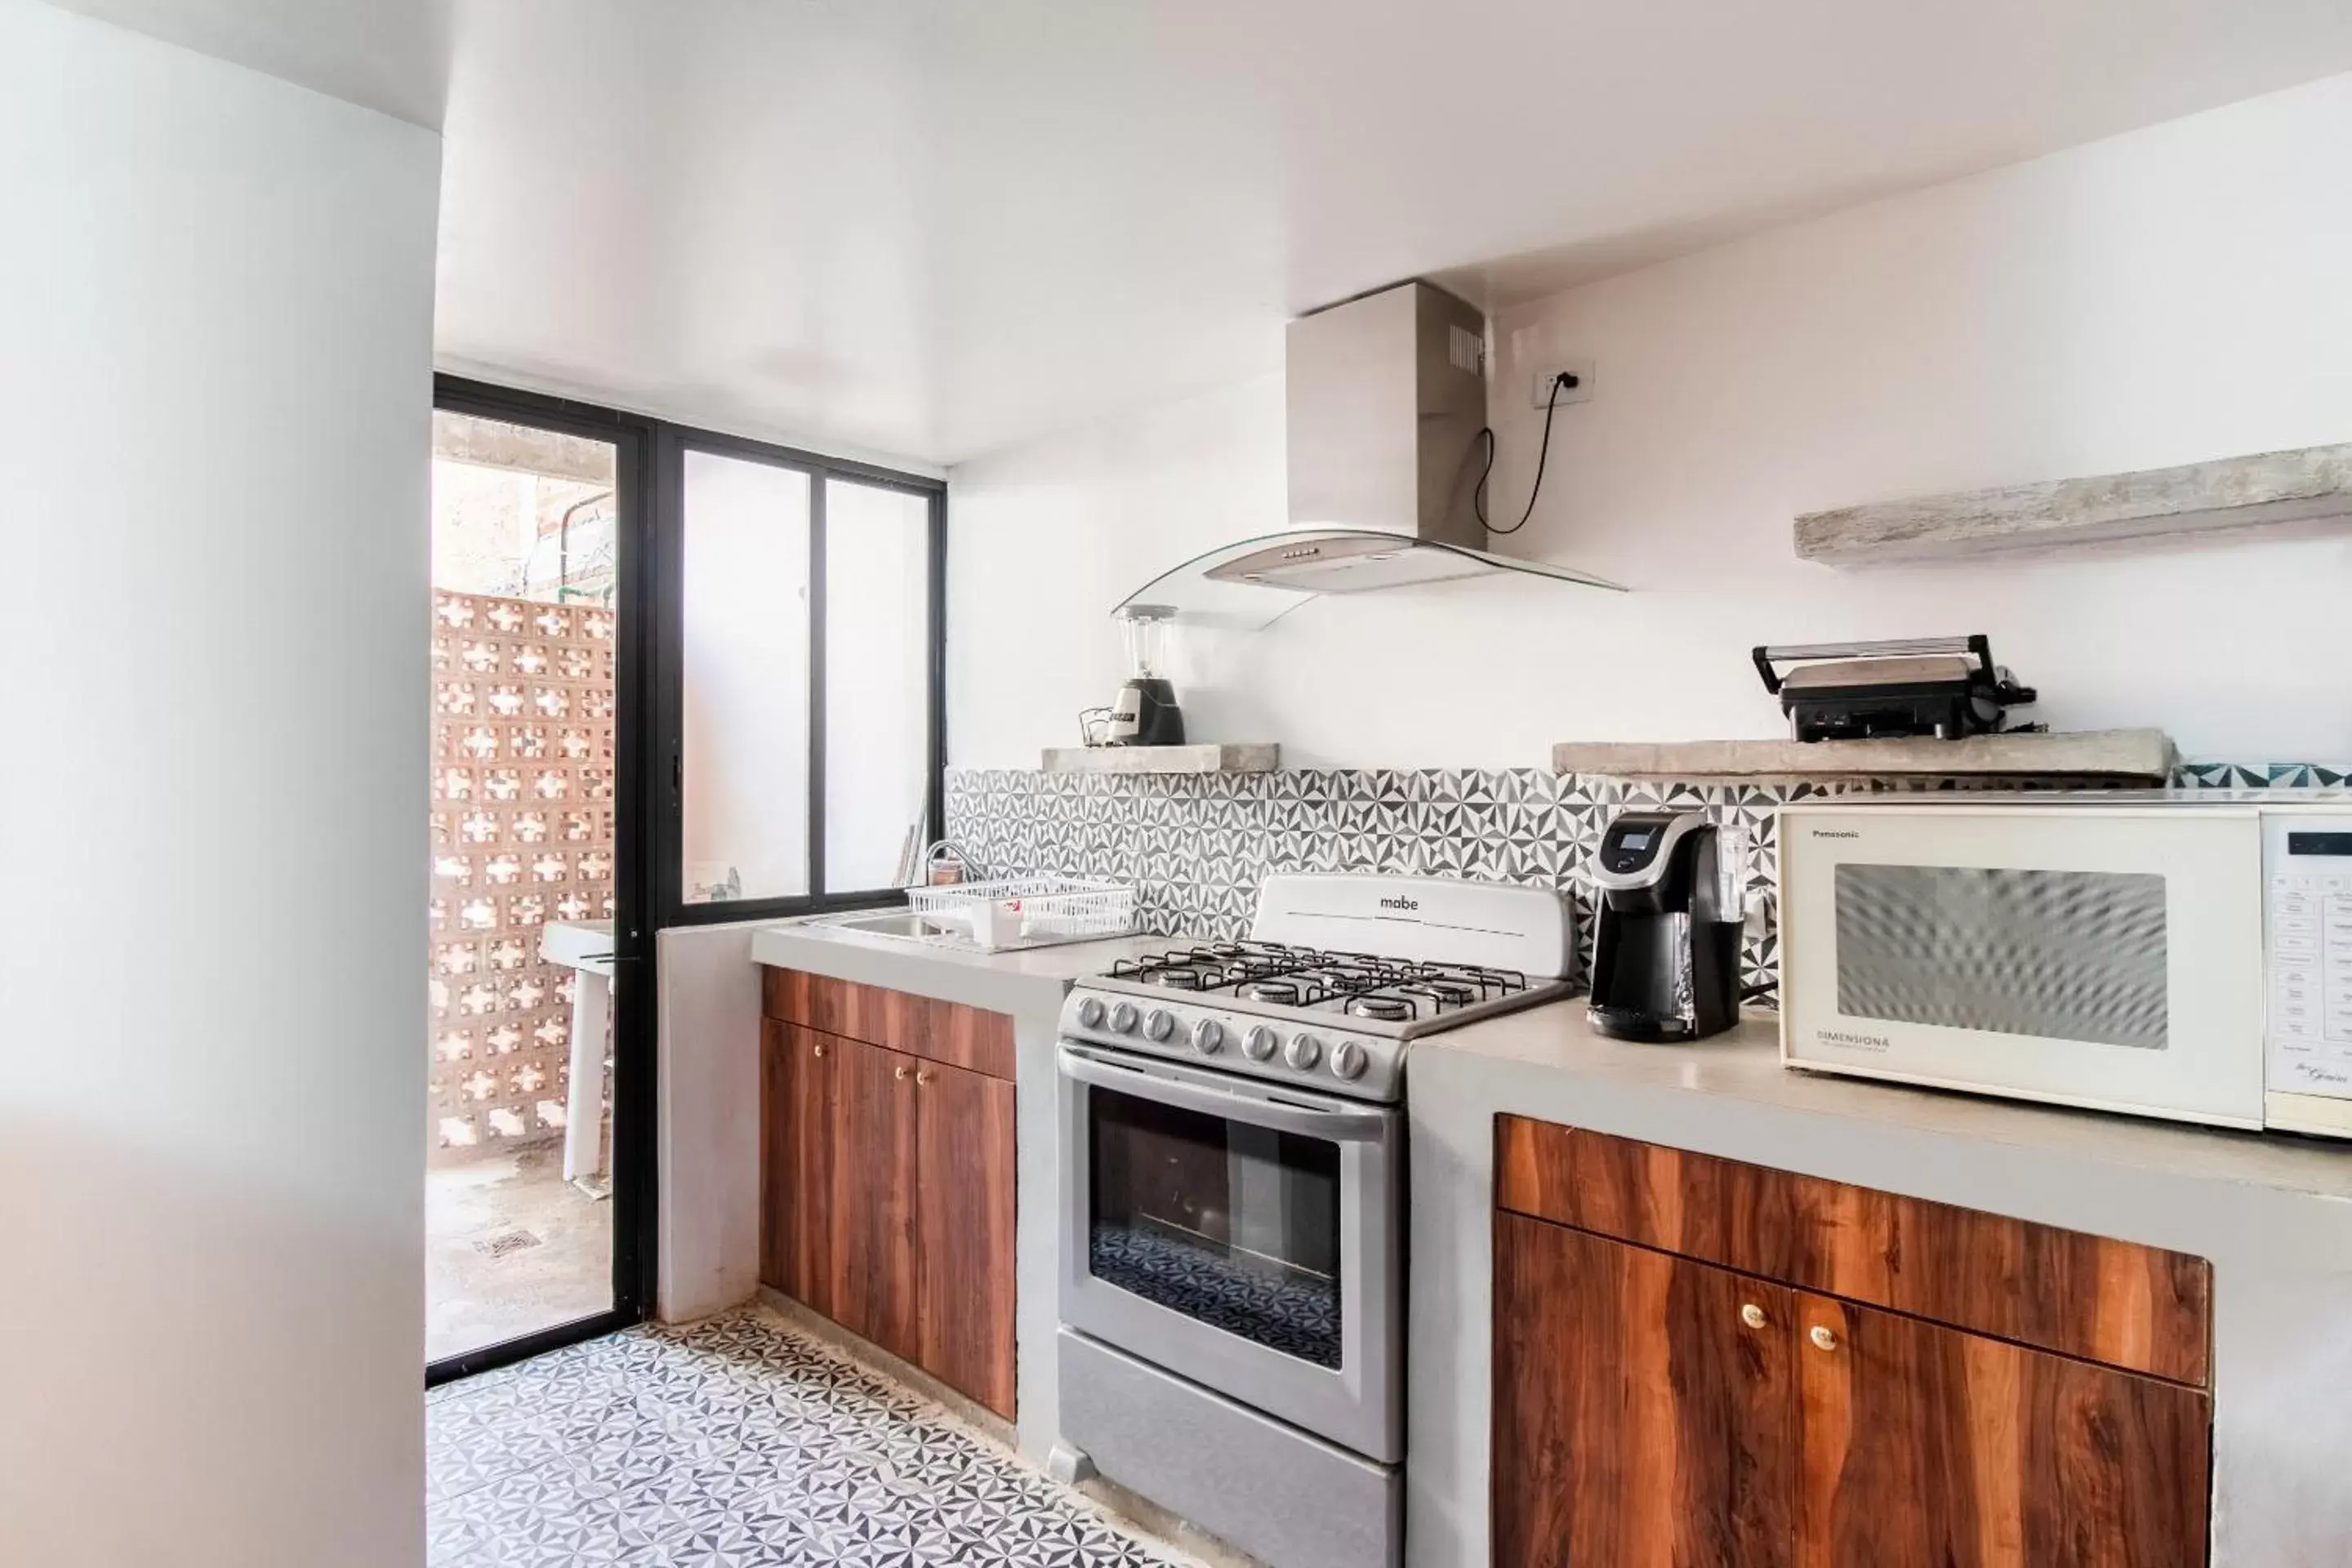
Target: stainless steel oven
(1240, 1234)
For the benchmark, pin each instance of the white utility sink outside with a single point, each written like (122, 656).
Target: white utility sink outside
(585, 946)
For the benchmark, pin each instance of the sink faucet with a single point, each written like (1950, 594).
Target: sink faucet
(968, 865)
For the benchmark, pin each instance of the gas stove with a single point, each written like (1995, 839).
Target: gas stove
(1422, 955)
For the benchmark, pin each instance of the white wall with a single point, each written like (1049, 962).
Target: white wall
(2163, 296)
(215, 300)
(707, 1252)
(1045, 539)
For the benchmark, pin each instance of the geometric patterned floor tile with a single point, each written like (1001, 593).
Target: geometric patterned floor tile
(734, 1443)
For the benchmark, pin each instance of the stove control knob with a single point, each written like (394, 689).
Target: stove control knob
(1159, 1024)
(1122, 1017)
(1348, 1059)
(1304, 1052)
(1258, 1044)
(1091, 1013)
(1208, 1036)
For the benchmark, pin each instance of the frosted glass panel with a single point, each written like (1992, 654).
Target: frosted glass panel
(745, 770)
(876, 680)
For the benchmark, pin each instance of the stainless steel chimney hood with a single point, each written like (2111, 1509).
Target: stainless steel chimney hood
(1385, 398)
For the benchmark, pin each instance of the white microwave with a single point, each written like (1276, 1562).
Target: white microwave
(2184, 954)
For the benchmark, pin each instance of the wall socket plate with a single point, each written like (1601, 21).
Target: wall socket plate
(1581, 392)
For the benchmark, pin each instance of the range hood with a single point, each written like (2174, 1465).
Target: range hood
(1385, 398)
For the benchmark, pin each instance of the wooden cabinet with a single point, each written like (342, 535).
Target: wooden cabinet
(2139, 1308)
(1637, 1419)
(872, 1207)
(1922, 1446)
(799, 1100)
(918, 1025)
(887, 1177)
(963, 1232)
(1675, 1386)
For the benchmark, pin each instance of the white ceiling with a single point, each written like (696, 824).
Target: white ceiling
(930, 227)
(389, 54)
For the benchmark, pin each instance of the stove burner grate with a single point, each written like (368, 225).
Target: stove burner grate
(1359, 984)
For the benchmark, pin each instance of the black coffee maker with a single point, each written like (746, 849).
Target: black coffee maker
(1665, 964)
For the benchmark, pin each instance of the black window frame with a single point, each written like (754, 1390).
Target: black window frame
(667, 849)
(637, 1224)
(649, 864)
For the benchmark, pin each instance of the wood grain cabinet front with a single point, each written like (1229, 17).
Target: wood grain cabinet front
(873, 1197)
(886, 1202)
(963, 1232)
(799, 1107)
(971, 1038)
(1924, 1446)
(1654, 1408)
(1642, 1406)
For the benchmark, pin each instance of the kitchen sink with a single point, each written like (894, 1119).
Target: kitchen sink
(905, 925)
(1009, 931)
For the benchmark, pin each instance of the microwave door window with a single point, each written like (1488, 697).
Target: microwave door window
(2062, 956)
(1236, 1227)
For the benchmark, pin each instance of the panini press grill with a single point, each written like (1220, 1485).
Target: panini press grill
(1944, 687)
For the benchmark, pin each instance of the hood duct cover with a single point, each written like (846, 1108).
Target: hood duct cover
(1384, 398)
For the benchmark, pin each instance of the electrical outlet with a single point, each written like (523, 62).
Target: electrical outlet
(1581, 392)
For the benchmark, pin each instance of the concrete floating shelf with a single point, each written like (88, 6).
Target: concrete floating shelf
(2128, 756)
(2314, 484)
(1201, 759)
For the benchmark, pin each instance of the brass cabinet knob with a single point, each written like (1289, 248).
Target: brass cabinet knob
(921, 1078)
(1824, 1337)
(903, 1073)
(1752, 1315)
(818, 1051)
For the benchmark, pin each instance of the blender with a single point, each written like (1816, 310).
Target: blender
(1145, 714)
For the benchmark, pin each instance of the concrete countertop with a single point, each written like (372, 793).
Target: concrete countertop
(1744, 1065)
(2272, 1212)
(1022, 981)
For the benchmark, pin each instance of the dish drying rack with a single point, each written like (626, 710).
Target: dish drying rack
(1030, 912)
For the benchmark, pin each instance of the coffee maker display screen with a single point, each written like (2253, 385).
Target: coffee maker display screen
(1628, 847)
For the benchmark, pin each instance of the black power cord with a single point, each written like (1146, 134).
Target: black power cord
(1564, 382)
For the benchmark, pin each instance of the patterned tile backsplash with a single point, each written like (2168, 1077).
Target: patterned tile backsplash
(1196, 847)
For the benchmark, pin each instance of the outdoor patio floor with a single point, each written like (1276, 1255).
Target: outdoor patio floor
(510, 1248)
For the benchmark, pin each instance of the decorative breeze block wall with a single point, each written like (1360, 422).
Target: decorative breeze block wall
(522, 834)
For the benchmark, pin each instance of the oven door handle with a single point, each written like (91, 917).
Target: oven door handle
(1335, 1125)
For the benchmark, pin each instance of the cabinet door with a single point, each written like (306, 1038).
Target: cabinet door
(965, 1232)
(1924, 1446)
(796, 1156)
(1643, 1407)
(873, 1195)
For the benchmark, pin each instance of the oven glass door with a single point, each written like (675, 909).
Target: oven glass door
(1234, 1226)
(1240, 1235)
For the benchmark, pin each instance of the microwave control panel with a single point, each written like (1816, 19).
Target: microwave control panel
(2308, 873)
